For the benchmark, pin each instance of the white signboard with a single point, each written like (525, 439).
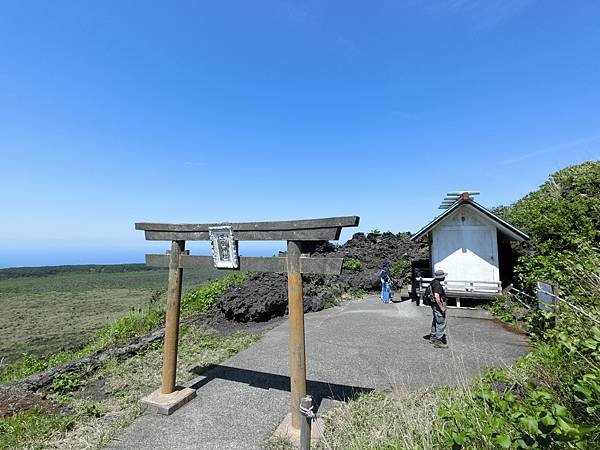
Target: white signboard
(224, 247)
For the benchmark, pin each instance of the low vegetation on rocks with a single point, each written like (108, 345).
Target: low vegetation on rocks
(351, 264)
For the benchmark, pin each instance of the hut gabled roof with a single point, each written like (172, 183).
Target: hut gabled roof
(464, 200)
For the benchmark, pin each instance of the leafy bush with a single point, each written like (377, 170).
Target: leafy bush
(351, 264)
(65, 383)
(91, 409)
(563, 220)
(201, 299)
(497, 308)
(510, 420)
(551, 398)
(564, 212)
(140, 323)
(330, 304)
(121, 331)
(357, 293)
(400, 267)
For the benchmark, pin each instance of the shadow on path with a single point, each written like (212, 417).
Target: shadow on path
(318, 389)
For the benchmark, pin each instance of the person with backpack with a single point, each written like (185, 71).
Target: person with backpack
(386, 283)
(435, 295)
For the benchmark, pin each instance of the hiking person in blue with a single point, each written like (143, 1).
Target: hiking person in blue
(386, 283)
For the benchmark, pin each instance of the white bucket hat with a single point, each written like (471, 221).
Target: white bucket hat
(439, 274)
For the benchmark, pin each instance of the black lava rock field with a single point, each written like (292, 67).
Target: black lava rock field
(264, 295)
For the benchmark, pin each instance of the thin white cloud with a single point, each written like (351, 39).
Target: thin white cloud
(569, 145)
(403, 114)
(196, 164)
(482, 15)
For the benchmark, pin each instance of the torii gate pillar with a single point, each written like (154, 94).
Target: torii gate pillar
(172, 318)
(296, 324)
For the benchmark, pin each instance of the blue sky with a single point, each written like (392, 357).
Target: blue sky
(116, 112)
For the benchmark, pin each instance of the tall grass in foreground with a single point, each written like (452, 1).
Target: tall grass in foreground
(381, 421)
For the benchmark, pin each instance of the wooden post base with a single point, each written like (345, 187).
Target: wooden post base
(287, 431)
(167, 404)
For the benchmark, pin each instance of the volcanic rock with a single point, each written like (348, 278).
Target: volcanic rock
(264, 295)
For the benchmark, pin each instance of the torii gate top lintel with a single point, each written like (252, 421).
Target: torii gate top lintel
(290, 230)
(326, 229)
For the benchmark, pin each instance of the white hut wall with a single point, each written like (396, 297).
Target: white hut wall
(465, 245)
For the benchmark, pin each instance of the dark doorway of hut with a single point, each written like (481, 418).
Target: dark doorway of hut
(224, 238)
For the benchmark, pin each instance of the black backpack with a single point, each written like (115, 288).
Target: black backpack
(428, 296)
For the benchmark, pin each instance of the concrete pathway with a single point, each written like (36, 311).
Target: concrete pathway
(357, 347)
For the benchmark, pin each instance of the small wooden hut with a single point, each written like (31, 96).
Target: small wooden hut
(472, 245)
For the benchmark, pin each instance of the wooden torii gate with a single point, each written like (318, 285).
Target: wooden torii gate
(225, 237)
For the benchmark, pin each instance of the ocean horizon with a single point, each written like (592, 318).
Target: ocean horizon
(116, 255)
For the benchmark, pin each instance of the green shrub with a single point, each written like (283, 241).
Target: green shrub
(550, 399)
(65, 383)
(357, 292)
(91, 410)
(508, 419)
(563, 220)
(140, 323)
(121, 331)
(563, 212)
(330, 304)
(400, 267)
(496, 307)
(203, 298)
(351, 264)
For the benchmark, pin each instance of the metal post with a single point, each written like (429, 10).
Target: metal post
(555, 291)
(169, 371)
(296, 324)
(306, 403)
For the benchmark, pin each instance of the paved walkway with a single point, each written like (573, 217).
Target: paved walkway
(359, 346)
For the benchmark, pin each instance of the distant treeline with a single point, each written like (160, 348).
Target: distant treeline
(53, 270)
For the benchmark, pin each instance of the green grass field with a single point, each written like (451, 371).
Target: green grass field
(43, 310)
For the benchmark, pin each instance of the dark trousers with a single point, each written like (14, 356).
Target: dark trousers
(438, 324)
